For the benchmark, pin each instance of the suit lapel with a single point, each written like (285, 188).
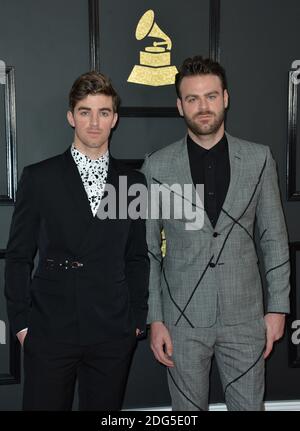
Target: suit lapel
(235, 160)
(112, 180)
(96, 223)
(185, 176)
(75, 187)
(113, 173)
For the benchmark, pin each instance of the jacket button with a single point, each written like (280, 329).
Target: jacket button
(215, 234)
(212, 265)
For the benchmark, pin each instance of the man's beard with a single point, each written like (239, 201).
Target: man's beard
(211, 127)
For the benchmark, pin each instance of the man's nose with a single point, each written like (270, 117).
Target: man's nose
(202, 104)
(94, 119)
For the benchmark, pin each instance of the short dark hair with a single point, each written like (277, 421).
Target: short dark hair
(92, 83)
(199, 66)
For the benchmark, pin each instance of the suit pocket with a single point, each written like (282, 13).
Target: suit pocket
(40, 284)
(50, 274)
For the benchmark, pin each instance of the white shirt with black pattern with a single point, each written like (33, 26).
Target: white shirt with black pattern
(93, 174)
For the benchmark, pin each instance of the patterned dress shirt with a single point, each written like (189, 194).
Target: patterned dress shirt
(93, 174)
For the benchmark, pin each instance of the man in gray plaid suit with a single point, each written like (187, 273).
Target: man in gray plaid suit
(206, 295)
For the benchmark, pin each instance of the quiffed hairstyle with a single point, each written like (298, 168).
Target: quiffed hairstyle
(198, 65)
(92, 83)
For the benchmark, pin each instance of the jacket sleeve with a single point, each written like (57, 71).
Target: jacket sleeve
(137, 269)
(20, 252)
(273, 240)
(153, 235)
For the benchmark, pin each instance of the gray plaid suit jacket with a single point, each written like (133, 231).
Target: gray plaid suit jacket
(215, 270)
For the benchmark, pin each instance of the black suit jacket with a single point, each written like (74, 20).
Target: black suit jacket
(107, 296)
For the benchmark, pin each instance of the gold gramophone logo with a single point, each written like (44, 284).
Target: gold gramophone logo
(155, 61)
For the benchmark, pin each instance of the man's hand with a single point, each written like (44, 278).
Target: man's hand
(275, 328)
(21, 336)
(161, 343)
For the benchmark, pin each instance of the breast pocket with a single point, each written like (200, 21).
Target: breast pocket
(176, 247)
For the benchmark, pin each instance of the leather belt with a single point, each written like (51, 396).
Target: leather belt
(67, 264)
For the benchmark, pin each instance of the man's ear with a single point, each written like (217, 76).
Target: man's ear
(70, 118)
(179, 106)
(115, 120)
(226, 98)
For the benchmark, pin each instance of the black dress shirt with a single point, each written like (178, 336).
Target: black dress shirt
(211, 168)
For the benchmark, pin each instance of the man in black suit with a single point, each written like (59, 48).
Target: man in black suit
(80, 314)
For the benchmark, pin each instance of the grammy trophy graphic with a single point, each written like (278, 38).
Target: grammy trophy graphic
(155, 61)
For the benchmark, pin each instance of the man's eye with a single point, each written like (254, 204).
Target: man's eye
(84, 113)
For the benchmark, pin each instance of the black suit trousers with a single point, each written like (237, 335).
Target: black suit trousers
(52, 368)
